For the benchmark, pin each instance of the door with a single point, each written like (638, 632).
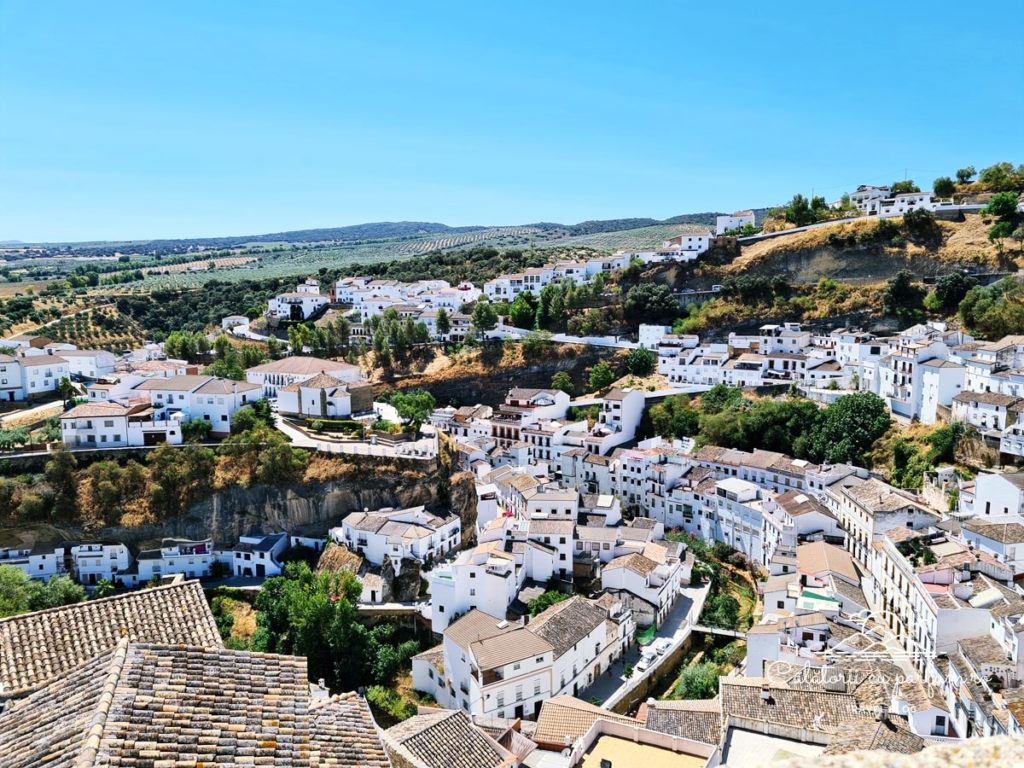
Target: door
(261, 570)
(519, 711)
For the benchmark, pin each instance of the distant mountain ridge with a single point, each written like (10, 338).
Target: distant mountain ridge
(386, 230)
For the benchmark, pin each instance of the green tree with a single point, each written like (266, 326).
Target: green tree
(484, 318)
(536, 343)
(601, 376)
(964, 175)
(177, 474)
(640, 361)
(673, 417)
(66, 390)
(720, 397)
(699, 681)
(798, 211)
(1002, 205)
(950, 289)
(943, 187)
(545, 600)
(902, 296)
(414, 406)
(16, 591)
(563, 381)
(1003, 177)
(314, 615)
(849, 427)
(248, 416)
(60, 474)
(443, 323)
(196, 430)
(721, 610)
(523, 311)
(650, 303)
(104, 588)
(903, 187)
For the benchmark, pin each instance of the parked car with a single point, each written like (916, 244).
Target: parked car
(644, 664)
(661, 645)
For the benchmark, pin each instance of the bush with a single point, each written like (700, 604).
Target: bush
(698, 682)
(546, 600)
(601, 376)
(388, 705)
(640, 361)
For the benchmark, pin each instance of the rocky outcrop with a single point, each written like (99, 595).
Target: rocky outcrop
(311, 507)
(462, 498)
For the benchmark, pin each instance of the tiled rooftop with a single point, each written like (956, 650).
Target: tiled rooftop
(442, 739)
(36, 648)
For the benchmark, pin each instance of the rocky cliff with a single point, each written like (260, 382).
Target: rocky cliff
(312, 508)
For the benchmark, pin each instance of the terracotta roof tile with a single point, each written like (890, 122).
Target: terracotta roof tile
(36, 648)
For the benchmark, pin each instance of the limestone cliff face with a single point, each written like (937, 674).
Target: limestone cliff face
(463, 501)
(314, 507)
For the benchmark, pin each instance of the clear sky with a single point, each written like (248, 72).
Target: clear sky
(124, 120)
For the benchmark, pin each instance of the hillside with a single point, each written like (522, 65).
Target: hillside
(849, 252)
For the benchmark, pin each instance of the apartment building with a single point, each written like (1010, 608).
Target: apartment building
(868, 508)
(491, 667)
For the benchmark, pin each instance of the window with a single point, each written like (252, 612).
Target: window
(472, 593)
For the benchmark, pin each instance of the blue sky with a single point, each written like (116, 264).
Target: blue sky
(146, 119)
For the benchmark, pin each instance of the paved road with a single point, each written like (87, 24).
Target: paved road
(609, 689)
(425, 448)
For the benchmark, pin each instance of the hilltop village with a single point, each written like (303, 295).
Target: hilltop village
(690, 555)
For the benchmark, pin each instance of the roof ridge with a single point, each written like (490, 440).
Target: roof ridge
(98, 723)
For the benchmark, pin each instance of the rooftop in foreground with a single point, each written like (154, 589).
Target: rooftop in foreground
(624, 752)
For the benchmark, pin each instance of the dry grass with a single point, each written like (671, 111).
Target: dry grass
(962, 242)
(244, 626)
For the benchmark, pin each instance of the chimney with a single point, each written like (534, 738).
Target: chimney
(766, 694)
(883, 713)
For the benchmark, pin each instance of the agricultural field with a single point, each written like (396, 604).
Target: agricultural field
(305, 260)
(98, 328)
(202, 265)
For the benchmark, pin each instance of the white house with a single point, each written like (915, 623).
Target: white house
(200, 398)
(112, 425)
(36, 563)
(325, 397)
(647, 583)
(290, 370)
(89, 363)
(867, 198)
(30, 376)
(485, 578)
(650, 336)
(1003, 539)
(989, 412)
(395, 535)
(494, 668)
(91, 562)
(301, 304)
(257, 555)
(193, 559)
(736, 220)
